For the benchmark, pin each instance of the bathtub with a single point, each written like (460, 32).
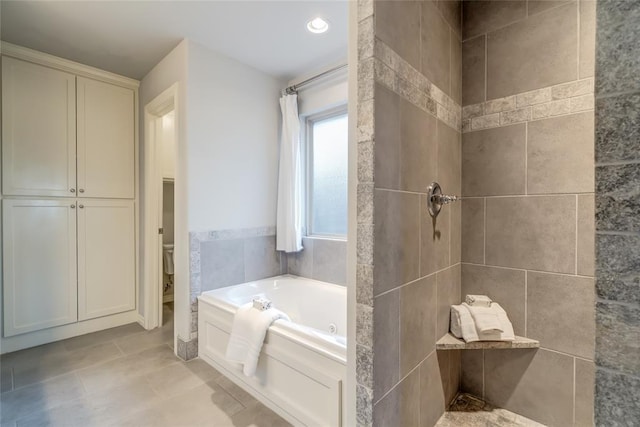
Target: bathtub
(302, 368)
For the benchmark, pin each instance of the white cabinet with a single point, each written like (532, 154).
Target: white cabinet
(39, 246)
(106, 257)
(106, 156)
(38, 130)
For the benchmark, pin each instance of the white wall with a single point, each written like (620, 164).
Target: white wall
(233, 143)
(173, 69)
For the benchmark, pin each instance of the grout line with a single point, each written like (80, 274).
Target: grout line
(620, 303)
(578, 39)
(528, 270)
(415, 280)
(483, 376)
(619, 163)
(484, 232)
(526, 158)
(486, 65)
(615, 94)
(618, 233)
(577, 216)
(512, 196)
(526, 303)
(574, 391)
(616, 372)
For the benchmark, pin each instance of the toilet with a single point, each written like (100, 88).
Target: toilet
(167, 258)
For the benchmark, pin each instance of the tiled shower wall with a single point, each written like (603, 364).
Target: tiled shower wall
(408, 265)
(528, 208)
(618, 213)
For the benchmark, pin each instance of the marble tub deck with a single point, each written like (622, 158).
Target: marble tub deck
(469, 411)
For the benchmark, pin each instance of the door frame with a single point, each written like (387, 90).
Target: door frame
(164, 103)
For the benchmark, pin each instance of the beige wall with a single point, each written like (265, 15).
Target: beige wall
(408, 273)
(528, 212)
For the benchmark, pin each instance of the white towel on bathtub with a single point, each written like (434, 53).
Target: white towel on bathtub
(247, 335)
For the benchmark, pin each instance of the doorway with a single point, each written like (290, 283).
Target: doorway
(159, 212)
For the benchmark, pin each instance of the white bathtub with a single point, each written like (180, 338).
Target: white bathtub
(302, 368)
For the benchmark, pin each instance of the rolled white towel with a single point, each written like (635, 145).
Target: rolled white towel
(478, 300)
(486, 319)
(507, 328)
(462, 324)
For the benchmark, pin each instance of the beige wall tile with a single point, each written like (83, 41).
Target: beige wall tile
(418, 161)
(456, 69)
(585, 385)
(417, 322)
(449, 160)
(567, 90)
(536, 233)
(434, 233)
(587, 37)
(503, 285)
(452, 12)
(436, 47)
(405, 38)
(493, 161)
(448, 282)
(560, 312)
(396, 248)
(501, 104)
(538, 52)
(515, 116)
(533, 97)
(485, 16)
(432, 403)
(484, 122)
(401, 407)
(386, 343)
(537, 6)
(456, 233)
(535, 383)
(473, 230)
(472, 366)
(586, 234)
(548, 109)
(560, 155)
(387, 137)
(449, 364)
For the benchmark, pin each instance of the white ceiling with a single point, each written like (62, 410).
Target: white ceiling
(130, 37)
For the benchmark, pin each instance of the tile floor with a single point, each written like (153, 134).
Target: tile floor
(469, 411)
(124, 376)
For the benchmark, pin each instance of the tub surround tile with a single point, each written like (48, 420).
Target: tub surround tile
(518, 56)
(301, 263)
(618, 198)
(432, 399)
(493, 161)
(612, 406)
(585, 387)
(586, 235)
(434, 239)
(535, 383)
(396, 239)
(401, 407)
(505, 286)
(618, 337)
(330, 261)
(473, 230)
(560, 155)
(486, 16)
(554, 300)
(618, 130)
(473, 70)
(222, 263)
(261, 258)
(618, 267)
(386, 345)
(448, 285)
(617, 32)
(536, 233)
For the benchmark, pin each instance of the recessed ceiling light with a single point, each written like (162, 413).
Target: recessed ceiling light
(317, 25)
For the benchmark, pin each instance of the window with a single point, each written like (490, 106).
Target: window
(326, 174)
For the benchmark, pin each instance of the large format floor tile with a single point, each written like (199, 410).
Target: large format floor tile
(124, 376)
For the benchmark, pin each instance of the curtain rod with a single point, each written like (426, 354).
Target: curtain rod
(294, 88)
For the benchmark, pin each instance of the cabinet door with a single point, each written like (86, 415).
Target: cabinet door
(39, 265)
(106, 148)
(38, 130)
(106, 257)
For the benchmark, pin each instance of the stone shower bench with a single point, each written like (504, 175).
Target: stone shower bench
(449, 342)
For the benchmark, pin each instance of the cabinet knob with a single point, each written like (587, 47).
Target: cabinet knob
(81, 206)
(81, 190)
(73, 206)
(73, 190)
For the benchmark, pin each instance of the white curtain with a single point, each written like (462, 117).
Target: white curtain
(289, 212)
